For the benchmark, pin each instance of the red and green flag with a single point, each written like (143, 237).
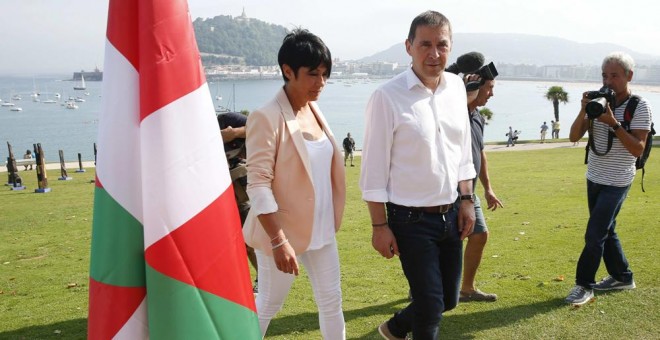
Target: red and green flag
(168, 259)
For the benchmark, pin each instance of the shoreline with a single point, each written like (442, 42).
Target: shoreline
(524, 145)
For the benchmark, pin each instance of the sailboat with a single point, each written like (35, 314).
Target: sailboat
(231, 104)
(8, 102)
(81, 86)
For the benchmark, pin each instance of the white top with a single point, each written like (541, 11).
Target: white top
(320, 157)
(417, 143)
(617, 167)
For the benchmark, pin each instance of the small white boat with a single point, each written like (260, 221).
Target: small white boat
(71, 105)
(79, 100)
(7, 104)
(81, 86)
(16, 97)
(16, 109)
(50, 101)
(57, 95)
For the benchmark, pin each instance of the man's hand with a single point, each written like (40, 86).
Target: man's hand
(383, 240)
(608, 117)
(492, 200)
(466, 218)
(228, 134)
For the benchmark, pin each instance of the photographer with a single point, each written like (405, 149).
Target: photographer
(610, 171)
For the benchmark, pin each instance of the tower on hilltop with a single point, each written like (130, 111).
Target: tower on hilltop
(243, 17)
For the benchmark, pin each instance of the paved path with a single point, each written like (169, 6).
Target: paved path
(534, 146)
(70, 166)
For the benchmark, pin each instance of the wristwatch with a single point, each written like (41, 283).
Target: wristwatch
(615, 127)
(469, 197)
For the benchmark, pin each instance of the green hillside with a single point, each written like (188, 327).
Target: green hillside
(224, 40)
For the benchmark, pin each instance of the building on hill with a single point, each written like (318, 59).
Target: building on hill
(243, 17)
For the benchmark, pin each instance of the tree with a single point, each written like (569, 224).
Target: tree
(556, 94)
(487, 114)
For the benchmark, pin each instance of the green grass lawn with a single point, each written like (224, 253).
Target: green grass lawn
(535, 241)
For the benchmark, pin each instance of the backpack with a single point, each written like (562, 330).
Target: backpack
(628, 114)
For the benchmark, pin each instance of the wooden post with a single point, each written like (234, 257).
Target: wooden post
(14, 178)
(94, 154)
(80, 167)
(42, 176)
(64, 175)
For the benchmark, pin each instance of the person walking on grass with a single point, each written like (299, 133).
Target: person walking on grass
(297, 187)
(416, 153)
(476, 243)
(349, 147)
(609, 176)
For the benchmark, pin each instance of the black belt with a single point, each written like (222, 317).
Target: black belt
(437, 209)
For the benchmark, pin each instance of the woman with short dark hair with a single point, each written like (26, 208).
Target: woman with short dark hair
(296, 185)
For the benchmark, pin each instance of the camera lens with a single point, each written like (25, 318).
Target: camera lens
(595, 107)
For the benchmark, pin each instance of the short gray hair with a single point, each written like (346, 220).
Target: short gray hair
(621, 58)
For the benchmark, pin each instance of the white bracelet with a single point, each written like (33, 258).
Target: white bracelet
(280, 244)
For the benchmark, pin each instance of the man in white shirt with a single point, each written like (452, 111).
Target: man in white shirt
(417, 151)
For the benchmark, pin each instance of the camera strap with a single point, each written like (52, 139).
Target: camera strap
(592, 145)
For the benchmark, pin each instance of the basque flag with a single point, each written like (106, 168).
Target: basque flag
(168, 259)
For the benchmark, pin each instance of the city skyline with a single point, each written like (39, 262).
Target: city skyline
(58, 36)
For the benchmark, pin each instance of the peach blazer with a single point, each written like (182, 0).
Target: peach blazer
(279, 175)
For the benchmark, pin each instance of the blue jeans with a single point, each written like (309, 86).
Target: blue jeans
(601, 241)
(431, 255)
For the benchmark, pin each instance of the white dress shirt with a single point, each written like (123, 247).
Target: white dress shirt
(417, 143)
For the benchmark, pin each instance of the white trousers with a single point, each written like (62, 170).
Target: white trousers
(322, 266)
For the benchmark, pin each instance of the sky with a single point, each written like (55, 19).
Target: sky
(61, 36)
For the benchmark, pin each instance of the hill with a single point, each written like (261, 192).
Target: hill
(523, 49)
(224, 40)
(227, 40)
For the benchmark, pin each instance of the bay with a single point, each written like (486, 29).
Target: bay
(520, 104)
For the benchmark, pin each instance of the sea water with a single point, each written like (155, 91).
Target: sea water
(519, 104)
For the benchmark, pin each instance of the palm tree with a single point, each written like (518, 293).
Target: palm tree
(556, 94)
(487, 114)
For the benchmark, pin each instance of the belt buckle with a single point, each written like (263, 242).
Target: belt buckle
(443, 209)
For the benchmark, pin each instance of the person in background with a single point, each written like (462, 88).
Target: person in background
(516, 133)
(416, 153)
(232, 129)
(28, 155)
(555, 129)
(544, 131)
(477, 240)
(297, 187)
(609, 177)
(509, 141)
(349, 147)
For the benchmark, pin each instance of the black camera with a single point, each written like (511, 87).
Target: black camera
(486, 72)
(599, 99)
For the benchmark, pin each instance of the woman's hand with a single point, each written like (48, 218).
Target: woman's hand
(285, 259)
